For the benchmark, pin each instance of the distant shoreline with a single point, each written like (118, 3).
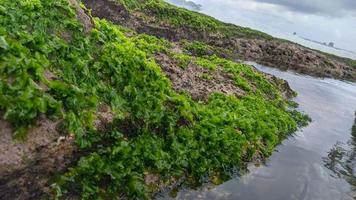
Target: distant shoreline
(332, 47)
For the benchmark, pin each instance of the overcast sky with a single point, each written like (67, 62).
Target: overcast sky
(334, 8)
(321, 20)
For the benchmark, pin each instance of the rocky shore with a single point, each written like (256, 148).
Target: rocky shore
(263, 49)
(27, 167)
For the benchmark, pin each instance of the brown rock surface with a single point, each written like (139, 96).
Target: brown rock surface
(273, 52)
(192, 81)
(26, 166)
(82, 16)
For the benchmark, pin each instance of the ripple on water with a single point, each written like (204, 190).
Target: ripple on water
(297, 170)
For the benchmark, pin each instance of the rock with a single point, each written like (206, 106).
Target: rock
(82, 16)
(270, 52)
(26, 166)
(191, 79)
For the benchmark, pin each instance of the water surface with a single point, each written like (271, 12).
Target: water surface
(298, 169)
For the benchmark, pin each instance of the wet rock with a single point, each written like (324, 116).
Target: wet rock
(272, 52)
(82, 16)
(109, 10)
(26, 166)
(291, 56)
(105, 116)
(282, 85)
(191, 79)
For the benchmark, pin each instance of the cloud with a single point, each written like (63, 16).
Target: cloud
(334, 8)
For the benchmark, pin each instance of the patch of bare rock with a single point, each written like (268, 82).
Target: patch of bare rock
(197, 81)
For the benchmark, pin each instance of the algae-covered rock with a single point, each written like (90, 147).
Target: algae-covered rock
(95, 110)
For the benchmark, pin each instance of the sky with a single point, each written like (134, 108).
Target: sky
(320, 20)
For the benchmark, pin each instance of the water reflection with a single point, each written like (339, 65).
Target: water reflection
(341, 160)
(302, 167)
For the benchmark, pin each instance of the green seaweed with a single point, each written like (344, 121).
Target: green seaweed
(156, 130)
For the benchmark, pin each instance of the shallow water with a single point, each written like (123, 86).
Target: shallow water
(297, 170)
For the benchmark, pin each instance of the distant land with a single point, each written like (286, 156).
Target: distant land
(329, 44)
(186, 4)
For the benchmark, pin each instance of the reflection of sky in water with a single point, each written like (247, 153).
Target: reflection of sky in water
(282, 22)
(297, 169)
